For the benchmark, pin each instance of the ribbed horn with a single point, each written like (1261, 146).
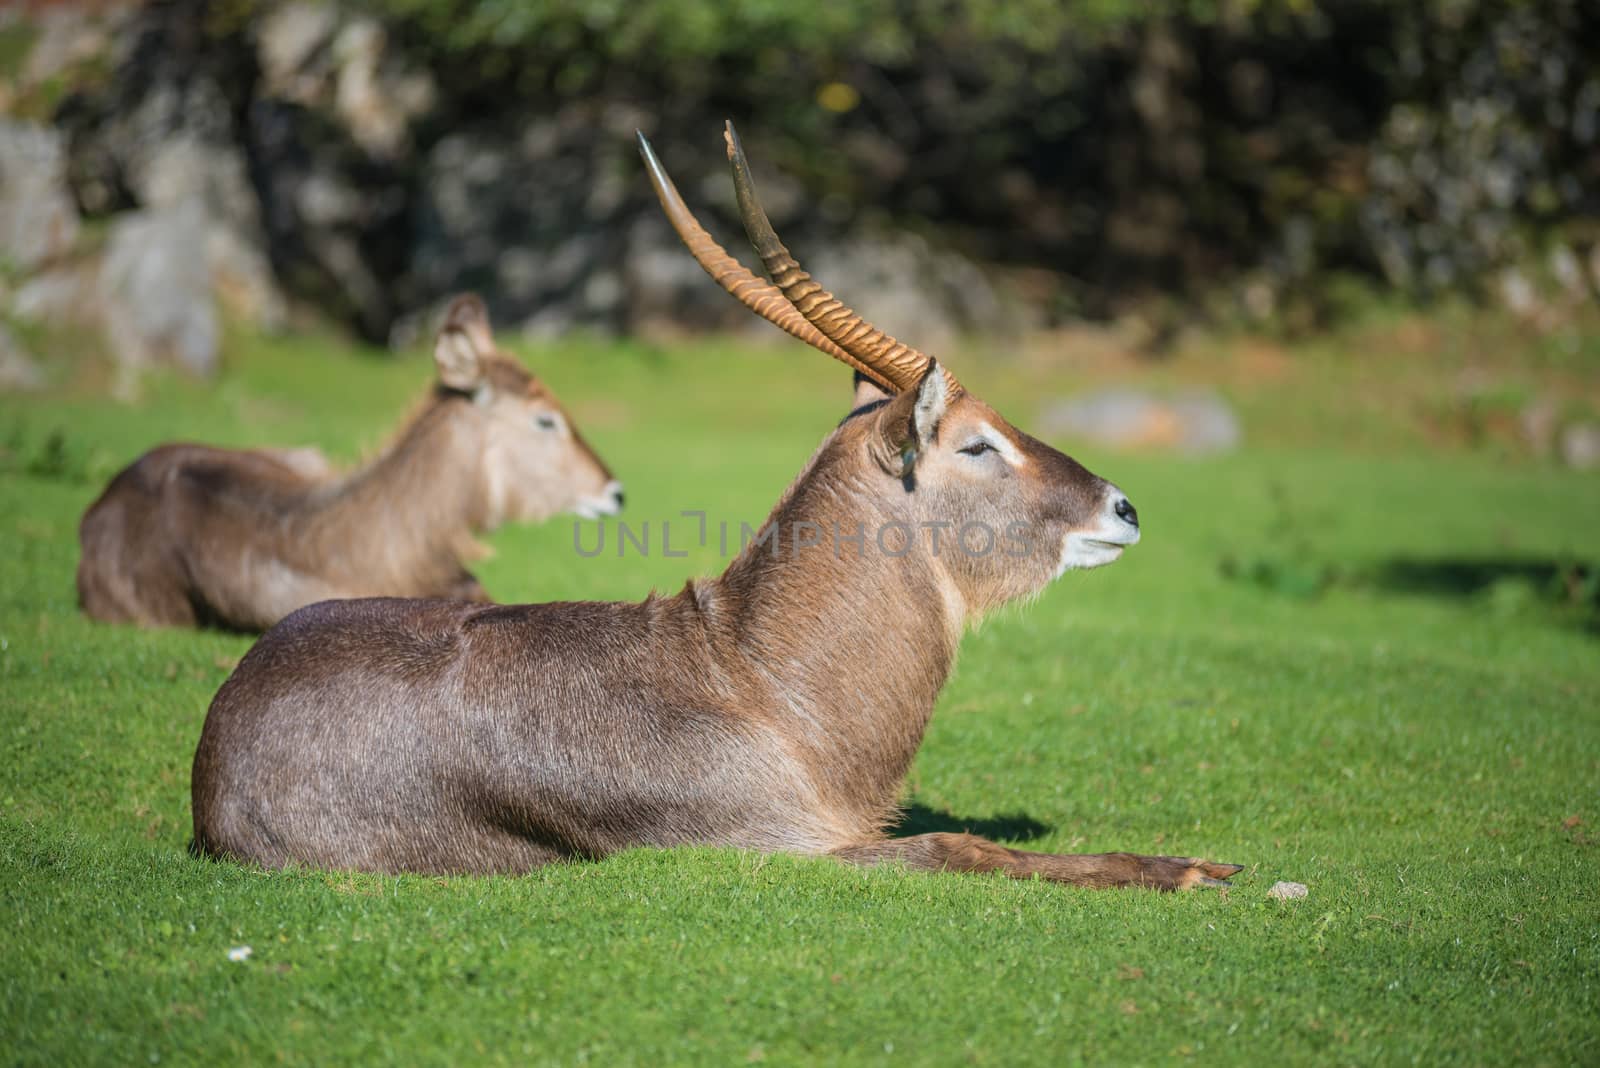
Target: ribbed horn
(754, 292)
(902, 365)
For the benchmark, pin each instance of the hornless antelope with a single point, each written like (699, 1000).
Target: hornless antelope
(777, 707)
(190, 535)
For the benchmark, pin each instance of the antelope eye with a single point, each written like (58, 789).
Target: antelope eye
(546, 422)
(977, 448)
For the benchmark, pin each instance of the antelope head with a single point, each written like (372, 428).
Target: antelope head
(534, 463)
(1015, 513)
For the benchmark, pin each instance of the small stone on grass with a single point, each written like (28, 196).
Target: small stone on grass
(1284, 891)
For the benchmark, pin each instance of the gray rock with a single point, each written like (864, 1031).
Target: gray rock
(1567, 270)
(1537, 421)
(38, 218)
(291, 45)
(67, 36)
(376, 97)
(901, 285)
(175, 139)
(166, 138)
(667, 290)
(58, 296)
(155, 292)
(1580, 446)
(524, 217)
(550, 323)
(185, 166)
(602, 293)
(1259, 296)
(242, 278)
(1287, 891)
(551, 223)
(185, 170)
(345, 69)
(18, 371)
(62, 43)
(1517, 293)
(336, 222)
(1194, 422)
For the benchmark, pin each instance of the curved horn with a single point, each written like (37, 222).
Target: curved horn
(754, 292)
(889, 359)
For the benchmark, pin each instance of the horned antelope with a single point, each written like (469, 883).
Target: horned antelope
(776, 707)
(191, 535)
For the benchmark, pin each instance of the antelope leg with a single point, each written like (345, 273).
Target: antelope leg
(969, 853)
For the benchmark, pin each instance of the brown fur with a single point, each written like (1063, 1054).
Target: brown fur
(776, 707)
(192, 535)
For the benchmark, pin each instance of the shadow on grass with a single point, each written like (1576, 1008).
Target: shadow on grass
(920, 819)
(1463, 577)
(1563, 589)
(1506, 584)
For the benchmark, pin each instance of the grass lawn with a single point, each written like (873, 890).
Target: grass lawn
(1335, 659)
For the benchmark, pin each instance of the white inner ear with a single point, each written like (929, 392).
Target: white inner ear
(929, 409)
(457, 360)
(1003, 445)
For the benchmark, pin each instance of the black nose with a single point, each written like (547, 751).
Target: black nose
(618, 496)
(1125, 512)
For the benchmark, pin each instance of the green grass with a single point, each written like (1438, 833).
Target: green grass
(1415, 755)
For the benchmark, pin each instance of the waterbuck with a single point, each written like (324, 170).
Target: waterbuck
(191, 535)
(777, 707)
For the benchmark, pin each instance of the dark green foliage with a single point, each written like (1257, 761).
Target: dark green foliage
(1246, 157)
(1134, 147)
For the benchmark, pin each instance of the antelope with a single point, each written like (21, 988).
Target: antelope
(191, 535)
(774, 708)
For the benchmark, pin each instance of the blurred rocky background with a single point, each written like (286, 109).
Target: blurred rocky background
(956, 168)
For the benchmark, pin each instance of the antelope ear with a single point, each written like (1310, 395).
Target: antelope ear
(911, 422)
(464, 344)
(867, 392)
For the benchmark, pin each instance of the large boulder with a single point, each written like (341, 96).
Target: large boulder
(330, 130)
(164, 137)
(18, 370)
(292, 46)
(553, 221)
(283, 137)
(336, 221)
(328, 166)
(186, 170)
(344, 65)
(38, 219)
(530, 216)
(60, 296)
(155, 292)
(1580, 446)
(1195, 422)
(923, 295)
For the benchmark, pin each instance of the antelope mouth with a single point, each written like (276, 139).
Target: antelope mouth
(1079, 552)
(1117, 529)
(608, 502)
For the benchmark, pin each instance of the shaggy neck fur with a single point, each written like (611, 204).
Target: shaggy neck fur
(854, 644)
(413, 510)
